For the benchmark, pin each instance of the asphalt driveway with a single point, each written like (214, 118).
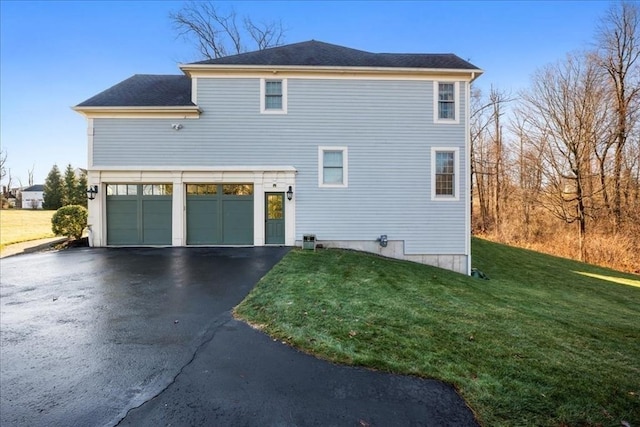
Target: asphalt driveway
(145, 337)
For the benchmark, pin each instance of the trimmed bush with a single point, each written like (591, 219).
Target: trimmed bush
(69, 221)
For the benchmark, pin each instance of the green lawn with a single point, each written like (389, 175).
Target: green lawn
(546, 341)
(18, 225)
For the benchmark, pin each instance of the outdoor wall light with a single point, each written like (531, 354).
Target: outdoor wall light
(92, 191)
(290, 193)
(176, 126)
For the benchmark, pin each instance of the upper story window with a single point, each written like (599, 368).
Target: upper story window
(446, 102)
(332, 166)
(444, 174)
(273, 96)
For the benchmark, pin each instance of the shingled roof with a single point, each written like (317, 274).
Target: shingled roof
(315, 53)
(147, 90)
(144, 90)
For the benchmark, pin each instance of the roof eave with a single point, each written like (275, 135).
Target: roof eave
(191, 69)
(178, 111)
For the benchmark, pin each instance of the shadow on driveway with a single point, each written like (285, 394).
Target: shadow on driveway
(145, 337)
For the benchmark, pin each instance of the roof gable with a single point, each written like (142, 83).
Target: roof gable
(37, 187)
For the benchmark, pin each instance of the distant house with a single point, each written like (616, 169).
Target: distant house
(360, 150)
(12, 201)
(33, 197)
(8, 198)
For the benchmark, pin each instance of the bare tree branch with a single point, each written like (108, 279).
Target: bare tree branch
(619, 56)
(217, 34)
(568, 119)
(3, 161)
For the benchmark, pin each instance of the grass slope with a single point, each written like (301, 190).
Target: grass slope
(17, 225)
(546, 341)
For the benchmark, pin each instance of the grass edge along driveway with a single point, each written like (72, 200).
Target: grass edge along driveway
(546, 341)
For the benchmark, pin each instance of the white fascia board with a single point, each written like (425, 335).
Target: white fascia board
(188, 111)
(197, 168)
(202, 70)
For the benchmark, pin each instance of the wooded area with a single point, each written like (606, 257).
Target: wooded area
(556, 167)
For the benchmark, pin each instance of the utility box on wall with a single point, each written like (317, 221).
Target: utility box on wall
(309, 241)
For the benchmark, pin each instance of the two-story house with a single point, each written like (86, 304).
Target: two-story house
(364, 150)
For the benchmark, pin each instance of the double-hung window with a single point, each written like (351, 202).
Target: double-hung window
(444, 174)
(273, 96)
(446, 105)
(332, 166)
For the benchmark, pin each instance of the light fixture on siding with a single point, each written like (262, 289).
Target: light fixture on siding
(176, 126)
(290, 193)
(92, 191)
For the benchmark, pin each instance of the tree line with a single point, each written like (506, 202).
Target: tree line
(63, 190)
(562, 169)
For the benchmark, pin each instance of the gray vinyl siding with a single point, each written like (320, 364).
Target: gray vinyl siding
(387, 126)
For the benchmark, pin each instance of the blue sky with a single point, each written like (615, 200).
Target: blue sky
(54, 55)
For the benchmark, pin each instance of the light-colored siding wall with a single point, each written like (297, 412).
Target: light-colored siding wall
(387, 126)
(32, 199)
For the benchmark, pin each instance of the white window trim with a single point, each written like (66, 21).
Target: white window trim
(345, 166)
(263, 110)
(456, 174)
(456, 98)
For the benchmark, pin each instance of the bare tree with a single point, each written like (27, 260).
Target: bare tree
(3, 161)
(619, 53)
(487, 156)
(497, 99)
(7, 173)
(217, 34)
(4, 171)
(567, 117)
(529, 169)
(479, 121)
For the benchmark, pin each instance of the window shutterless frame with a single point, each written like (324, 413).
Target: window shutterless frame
(273, 96)
(333, 167)
(445, 174)
(446, 101)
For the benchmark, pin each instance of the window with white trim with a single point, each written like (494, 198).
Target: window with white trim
(446, 102)
(445, 174)
(333, 165)
(273, 96)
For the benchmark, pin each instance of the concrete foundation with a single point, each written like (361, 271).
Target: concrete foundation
(395, 249)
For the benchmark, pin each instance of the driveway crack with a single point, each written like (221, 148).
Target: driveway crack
(213, 329)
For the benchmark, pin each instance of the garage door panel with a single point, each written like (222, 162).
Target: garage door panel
(156, 221)
(122, 221)
(202, 221)
(219, 214)
(123, 237)
(137, 219)
(238, 222)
